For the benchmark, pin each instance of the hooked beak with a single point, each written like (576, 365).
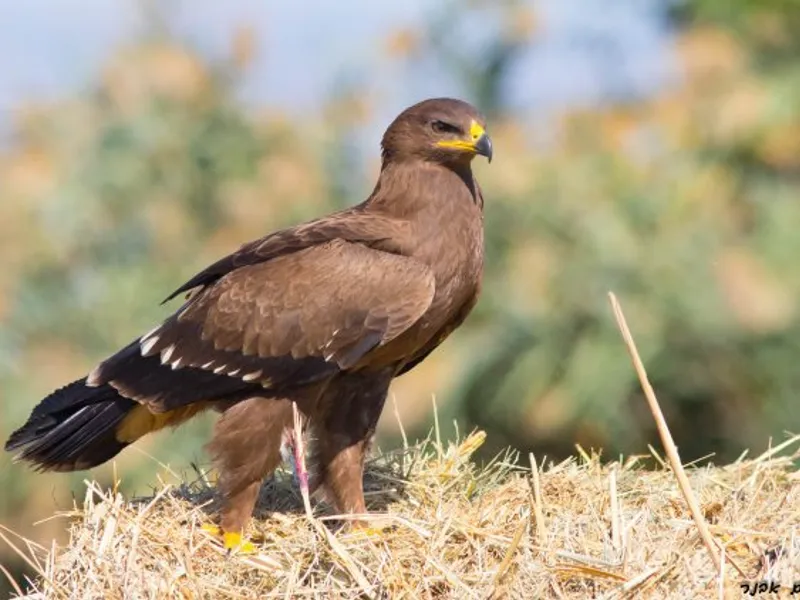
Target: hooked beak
(483, 146)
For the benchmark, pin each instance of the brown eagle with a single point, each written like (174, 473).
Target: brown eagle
(323, 314)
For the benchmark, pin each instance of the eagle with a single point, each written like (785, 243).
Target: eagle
(322, 315)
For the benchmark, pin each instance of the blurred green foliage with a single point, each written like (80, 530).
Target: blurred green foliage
(686, 205)
(108, 200)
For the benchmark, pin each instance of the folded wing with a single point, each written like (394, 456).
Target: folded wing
(278, 324)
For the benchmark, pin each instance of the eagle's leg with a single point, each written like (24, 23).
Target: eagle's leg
(343, 428)
(245, 448)
(341, 468)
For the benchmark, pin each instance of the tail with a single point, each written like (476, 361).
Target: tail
(74, 428)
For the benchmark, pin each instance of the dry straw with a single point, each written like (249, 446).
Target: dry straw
(580, 528)
(663, 430)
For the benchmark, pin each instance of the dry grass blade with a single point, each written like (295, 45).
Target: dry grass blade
(634, 582)
(509, 556)
(12, 582)
(590, 571)
(300, 459)
(616, 527)
(302, 474)
(28, 560)
(778, 449)
(349, 564)
(538, 513)
(400, 426)
(664, 432)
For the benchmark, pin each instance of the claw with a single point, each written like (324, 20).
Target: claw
(368, 532)
(233, 542)
(372, 528)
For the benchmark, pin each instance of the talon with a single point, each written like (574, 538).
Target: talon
(369, 531)
(212, 529)
(372, 528)
(235, 542)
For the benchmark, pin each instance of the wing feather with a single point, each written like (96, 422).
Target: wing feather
(352, 224)
(287, 322)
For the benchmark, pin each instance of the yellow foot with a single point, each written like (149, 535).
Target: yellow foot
(374, 527)
(233, 542)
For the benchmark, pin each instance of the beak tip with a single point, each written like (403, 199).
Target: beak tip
(484, 147)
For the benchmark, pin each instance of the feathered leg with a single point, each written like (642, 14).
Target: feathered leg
(245, 448)
(343, 427)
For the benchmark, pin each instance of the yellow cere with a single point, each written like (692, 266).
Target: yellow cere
(475, 132)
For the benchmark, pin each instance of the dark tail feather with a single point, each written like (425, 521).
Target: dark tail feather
(73, 428)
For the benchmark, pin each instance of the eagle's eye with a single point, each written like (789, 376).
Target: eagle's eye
(444, 127)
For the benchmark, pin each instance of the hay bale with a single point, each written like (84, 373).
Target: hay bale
(610, 530)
